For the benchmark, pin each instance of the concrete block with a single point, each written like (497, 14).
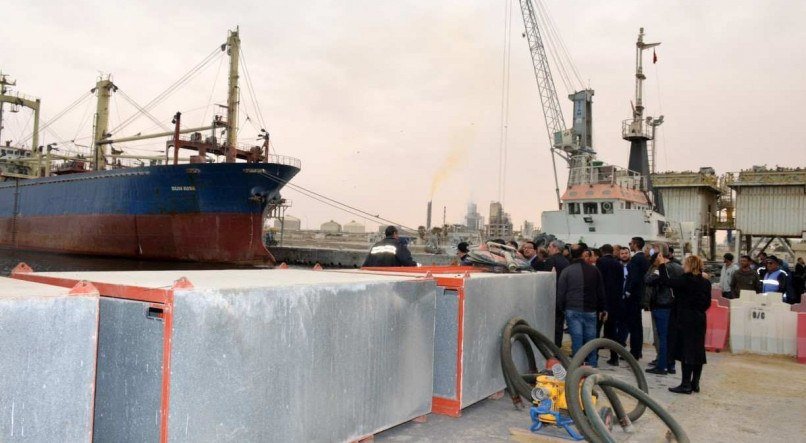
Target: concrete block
(472, 310)
(48, 344)
(261, 355)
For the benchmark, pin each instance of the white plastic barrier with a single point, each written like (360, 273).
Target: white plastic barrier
(762, 324)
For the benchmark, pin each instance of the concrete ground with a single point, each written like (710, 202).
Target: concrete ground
(743, 398)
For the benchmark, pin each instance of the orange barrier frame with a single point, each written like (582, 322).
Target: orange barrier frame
(455, 282)
(160, 298)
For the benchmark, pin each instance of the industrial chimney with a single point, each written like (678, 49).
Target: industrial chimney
(428, 218)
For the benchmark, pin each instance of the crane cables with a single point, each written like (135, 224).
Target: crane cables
(375, 218)
(212, 91)
(218, 51)
(61, 114)
(558, 51)
(505, 79)
(143, 111)
(251, 90)
(660, 109)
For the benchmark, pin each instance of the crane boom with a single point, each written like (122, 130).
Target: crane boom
(545, 84)
(548, 92)
(574, 145)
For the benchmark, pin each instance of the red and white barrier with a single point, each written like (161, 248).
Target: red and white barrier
(718, 326)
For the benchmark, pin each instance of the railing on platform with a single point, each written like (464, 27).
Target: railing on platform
(632, 129)
(284, 160)
(606, 174)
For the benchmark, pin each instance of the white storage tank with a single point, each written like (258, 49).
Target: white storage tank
(331, 227)
(290, 223)
(354, 228)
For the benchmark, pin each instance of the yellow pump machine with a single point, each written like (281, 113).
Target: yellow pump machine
(550, 405)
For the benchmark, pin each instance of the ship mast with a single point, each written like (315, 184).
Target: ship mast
(639, 130)
(234, 50)
(16, 101)
(640, 46)
(4, 81)
(104, 88)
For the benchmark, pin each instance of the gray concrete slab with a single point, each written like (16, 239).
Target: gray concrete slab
(319, 362)
(224, 279)
(266, 355)
(48, 343)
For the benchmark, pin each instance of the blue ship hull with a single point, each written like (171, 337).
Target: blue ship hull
(197, 212)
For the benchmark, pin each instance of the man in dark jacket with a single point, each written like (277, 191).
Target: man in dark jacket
(745, 278)
(661, 307)
(799, 280)
(557, 262)
(633, 294)
(613, 277)
(389, 252)
(463, 254)
(581, 295)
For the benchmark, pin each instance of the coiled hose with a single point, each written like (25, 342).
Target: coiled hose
(520, 385)
(642, 397)
(586, 419)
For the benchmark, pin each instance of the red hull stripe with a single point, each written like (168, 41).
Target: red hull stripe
(212, 237)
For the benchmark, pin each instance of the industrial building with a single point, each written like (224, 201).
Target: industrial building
(760, 206)
(770, 205)
(500, 225)
(692, 198)
(473, 220)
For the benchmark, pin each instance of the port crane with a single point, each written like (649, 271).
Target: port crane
(575, 144)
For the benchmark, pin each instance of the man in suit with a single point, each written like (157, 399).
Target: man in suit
(613, 277)
(529, 252)
(633, 294)
(558, 262)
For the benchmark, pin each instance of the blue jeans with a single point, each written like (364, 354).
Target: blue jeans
(661, 317)
(582, 327)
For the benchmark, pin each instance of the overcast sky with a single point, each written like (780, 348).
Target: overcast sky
(387, 102)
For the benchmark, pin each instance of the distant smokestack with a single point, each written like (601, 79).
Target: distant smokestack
(428, 217)
(444, 215)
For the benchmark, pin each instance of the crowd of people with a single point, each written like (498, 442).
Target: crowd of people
(602, 292)
(766, 274)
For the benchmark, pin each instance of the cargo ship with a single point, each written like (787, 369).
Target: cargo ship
(157, 208)
(604, 203)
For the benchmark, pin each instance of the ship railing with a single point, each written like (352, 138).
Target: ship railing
(635, 129)
(284, 160)
(606, 174)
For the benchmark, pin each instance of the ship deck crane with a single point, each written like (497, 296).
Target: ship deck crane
(573, 145)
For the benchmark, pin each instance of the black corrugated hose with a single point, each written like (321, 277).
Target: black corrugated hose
(577, 394)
